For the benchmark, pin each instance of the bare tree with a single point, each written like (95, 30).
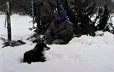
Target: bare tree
(8, 21)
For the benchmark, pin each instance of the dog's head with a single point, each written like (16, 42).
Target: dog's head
(41, 47)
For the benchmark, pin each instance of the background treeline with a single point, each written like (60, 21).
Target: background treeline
(79, 12)
(25, 5)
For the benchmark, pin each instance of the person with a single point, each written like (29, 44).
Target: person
(60, 30)
(43, 15)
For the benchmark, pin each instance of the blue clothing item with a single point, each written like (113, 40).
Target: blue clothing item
(63, 15)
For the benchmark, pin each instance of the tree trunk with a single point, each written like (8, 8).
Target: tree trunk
(8, 22)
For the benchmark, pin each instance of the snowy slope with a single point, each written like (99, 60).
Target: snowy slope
(20, 26)
(83, 54)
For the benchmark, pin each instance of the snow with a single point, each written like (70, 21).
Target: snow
(82, 54)
(20, 26)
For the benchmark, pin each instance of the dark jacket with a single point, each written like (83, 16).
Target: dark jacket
(62, 31)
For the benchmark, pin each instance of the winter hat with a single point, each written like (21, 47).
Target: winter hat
(63, 15)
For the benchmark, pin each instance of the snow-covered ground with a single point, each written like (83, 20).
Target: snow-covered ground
(83, 54)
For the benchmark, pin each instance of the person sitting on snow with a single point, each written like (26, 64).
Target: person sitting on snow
(60, 30)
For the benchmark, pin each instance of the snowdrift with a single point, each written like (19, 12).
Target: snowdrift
(82, 54)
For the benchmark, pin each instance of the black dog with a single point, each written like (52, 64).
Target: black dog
(36, 54)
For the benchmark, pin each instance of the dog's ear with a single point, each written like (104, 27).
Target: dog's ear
(47, 48)
(36, 47)
(40, 47)
(43, 45)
